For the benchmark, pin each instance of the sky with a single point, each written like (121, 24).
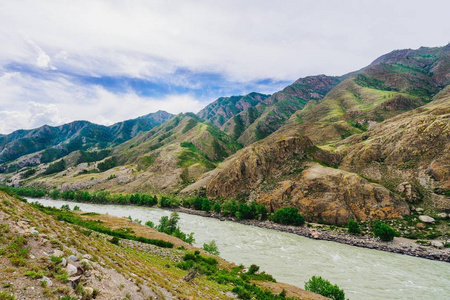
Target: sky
(108, 61)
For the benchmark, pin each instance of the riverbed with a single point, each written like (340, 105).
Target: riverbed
(362, 273)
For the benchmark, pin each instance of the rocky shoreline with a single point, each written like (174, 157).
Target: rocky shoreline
(399, 245)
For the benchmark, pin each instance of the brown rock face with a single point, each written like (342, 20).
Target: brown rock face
(335, 196)
(275, 172)
(254, 164)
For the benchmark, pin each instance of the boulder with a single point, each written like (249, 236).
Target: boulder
(73, 258)
(426, 219)
(64, 262)
(421, 226)
(58, 253)
(437, 244)
(71, 269)
(48, 282)
(442, 215)
(408, 191)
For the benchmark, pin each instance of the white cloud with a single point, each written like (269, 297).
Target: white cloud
(29, 102)
(243, 39)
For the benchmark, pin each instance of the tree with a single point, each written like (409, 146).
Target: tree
(383, 231)
(170, 226)
(206, 205)
(323, 287)
(216, 208)
(211, 247)
(288, 216)
(353, 227)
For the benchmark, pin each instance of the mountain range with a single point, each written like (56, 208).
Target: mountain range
(368, 144)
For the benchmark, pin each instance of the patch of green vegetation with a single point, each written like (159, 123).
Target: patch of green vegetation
(92, 156)
(107, 164)
(56, 167)
(191, 123)
(323, 287)
(17, 251)
(169, 225)
(366, 81)
(191, 155)
(288, 216)
(28, 173)
(384, 231)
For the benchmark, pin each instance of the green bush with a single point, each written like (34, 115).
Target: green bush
(216, 208)
(206, 205)
(383, 231)
(211, 247)
(323, 287)
(288, 216)
(353, 227)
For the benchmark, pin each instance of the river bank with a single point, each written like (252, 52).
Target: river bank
(316, 231)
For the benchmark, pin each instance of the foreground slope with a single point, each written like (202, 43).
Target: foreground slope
(42, 257)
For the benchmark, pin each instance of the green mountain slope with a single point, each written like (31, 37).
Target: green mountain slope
(224, 108)
(74, 136)
(257, 122)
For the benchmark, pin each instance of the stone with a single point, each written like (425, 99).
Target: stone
(58, 253)
(48, 282)
(87, 256)
(71, 269)
(73, 258)
(74, 281)
(419, 210)
(421, 226)
(426, 219)
(408, 191)
(442, 215)
(64, 262)
(88, 291)
(437, 244)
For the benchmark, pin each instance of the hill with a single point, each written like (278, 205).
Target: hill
(61, 140)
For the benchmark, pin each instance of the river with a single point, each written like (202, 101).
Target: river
(362, 273)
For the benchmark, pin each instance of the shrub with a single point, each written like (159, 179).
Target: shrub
(150, 224)
(253, 269)
(211, 247)
(353, 227)
(383, 231)
(288, 216)
(216, 208)
(198, 203)
(206, 205)
(323, 287)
